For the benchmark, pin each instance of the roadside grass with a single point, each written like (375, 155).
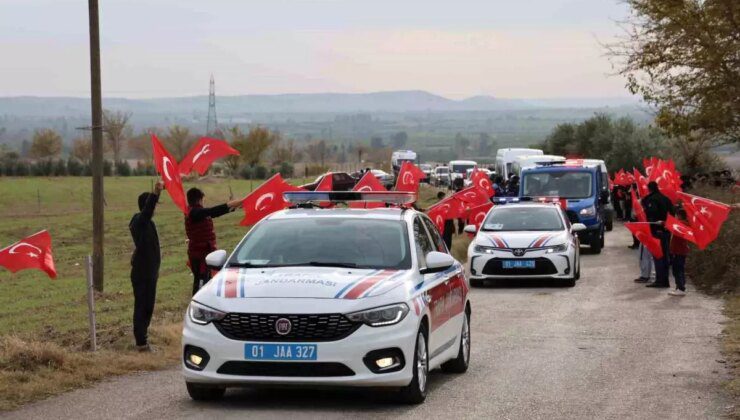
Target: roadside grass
(716, 271)
(43, 323)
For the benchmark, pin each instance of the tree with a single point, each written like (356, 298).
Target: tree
(284, 152)
(376, 142)
(116, 131)
(317, 151)
(484, 145)
(178, 141)
(399, 140)
(461, 145)
(252, 145)
(82, 149)
(46, 143)
(682, 56)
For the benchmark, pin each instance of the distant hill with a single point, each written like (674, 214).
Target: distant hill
(396, 101)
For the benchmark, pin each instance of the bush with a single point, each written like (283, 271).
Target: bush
(22, 169)
(107, 168)
(286, 169)
(316, 170)
(246, 172)
(74, 167)
(42, 168)
(260, 172)
(60, 168)
(123, 168)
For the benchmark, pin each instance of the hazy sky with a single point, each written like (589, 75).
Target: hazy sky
(456, 48)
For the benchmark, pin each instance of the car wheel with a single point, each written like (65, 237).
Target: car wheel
(578, 269)
(460, 363)
(596, 245)
(609, 224)
(416, 391)
(199, 392)
(476, 283)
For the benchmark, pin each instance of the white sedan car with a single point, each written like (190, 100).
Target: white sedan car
(330, 297)
(525, 240)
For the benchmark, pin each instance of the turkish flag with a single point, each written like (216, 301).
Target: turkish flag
(266, 199)
(368, 182)
(637, 208)
(449, 208)
(409, 177)
(30, 252)
(481, 180)
(326, 183)
(715, 212)
(642, 233)
(478, 213)
(649, 165)
(682, 231)
(204, 153)
(668, 179)
(167, 167)
(704, 230)
(472, 197)
(641, 182)
(438, 216)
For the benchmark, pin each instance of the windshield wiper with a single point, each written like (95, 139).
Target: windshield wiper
(245, 265)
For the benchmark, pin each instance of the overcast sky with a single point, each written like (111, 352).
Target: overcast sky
(455, 48)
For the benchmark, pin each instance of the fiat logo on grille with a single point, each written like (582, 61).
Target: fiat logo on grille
(519, 252)
(283, 326)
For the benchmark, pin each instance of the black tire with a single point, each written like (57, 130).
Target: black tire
(569, 282)
(476, 283)
(609, 224)
(460, 363)
(200, 392)
(596, 245)
(578, 269)
(416, 391)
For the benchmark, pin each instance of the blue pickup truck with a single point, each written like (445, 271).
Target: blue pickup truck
(581, 186)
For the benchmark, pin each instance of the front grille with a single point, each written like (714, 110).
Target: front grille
(290, 369)
(261, 327)
(542, 266)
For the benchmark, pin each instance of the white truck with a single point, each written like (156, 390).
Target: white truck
(530, 161)
(459, 168)
(400, 156)
(505, 158)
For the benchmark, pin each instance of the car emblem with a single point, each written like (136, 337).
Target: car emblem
(283, 326)
(519, 252)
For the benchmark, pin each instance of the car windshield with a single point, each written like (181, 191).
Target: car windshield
(443, 170)
(523, 219)
(333, 242)
(461, 169)
(558, 184)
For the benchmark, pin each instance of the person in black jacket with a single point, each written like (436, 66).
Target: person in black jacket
(145, 264)
(657, 207)
(201, 234)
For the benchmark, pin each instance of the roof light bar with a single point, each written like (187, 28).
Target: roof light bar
(389, 197)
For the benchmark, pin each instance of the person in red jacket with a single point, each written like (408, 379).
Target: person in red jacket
(201, 235)
(679, 249)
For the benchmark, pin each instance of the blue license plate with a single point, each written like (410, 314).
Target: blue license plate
(519, 264)
(265, 351)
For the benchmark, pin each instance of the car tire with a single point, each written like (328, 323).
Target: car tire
(609, 224)
(596, 245)
(578, 269)
(460, 363)
(476, 283)
(199, 392)
(571, 282)
(416, 391)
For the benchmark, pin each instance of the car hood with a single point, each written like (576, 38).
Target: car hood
(302, 282)
(520, 239)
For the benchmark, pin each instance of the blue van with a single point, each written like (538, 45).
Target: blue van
(581, 187)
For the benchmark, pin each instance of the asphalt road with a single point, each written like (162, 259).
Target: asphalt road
(608, 348)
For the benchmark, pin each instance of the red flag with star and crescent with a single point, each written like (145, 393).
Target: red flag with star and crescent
(715, 212)
(409, 178)
(449, 208)
(204, 153)
(477, 214)
(704, 230)
(642, 233)
(368, 182)
(679, 229)
(31, 252)
(266, 199)
(167, 168)
(481, 180)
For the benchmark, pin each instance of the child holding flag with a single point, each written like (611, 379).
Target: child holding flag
(679, 249)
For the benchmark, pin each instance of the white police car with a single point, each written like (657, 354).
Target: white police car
(355, 297)
(525, 240)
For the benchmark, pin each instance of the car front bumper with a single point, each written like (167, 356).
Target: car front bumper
(349, 351)
(559, 265)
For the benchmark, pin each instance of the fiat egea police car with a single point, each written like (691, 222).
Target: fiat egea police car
(525, 240)
(336, 297)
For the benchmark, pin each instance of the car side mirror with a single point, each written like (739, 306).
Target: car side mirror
(216, 259)
(471, 229)
(577, 227)
(437, 261)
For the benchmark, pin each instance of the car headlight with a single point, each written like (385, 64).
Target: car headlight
(201, 314)
(557, 248)
(380, 317)
(484, 249)
(588, 211)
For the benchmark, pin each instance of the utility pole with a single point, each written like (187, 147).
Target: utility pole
(97, 146)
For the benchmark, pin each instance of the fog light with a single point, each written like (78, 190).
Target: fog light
(384, 363)
(195, 359)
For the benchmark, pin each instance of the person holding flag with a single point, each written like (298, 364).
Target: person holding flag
(679, 251)
(201, 235)
(657, 208)
(145, 263)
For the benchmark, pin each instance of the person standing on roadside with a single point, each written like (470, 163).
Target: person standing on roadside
(657, 207)
(679, 251)
(201, 235)
(145, 262)
(497, 186)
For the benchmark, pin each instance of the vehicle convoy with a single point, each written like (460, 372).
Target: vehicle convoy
(581, 187)
(330, 297)
(441, 176)
(458, 168)
(525, 240)
(400, 156)
(341, 181)
(469, 174)
(505, 158)
(530, 161)
(427, 169)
